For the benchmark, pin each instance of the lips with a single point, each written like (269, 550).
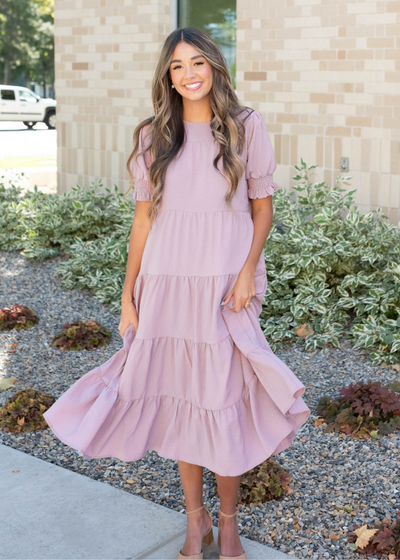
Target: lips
(194, 86)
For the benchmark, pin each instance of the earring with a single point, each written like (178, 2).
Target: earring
(173, 86)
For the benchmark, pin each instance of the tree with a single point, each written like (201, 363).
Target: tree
(27, 39)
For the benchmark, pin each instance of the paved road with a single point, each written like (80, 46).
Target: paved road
(17, 140)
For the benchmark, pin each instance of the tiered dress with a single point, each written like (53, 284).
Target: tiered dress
(197, 382)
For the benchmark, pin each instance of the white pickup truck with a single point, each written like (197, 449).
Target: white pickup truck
(21, 104)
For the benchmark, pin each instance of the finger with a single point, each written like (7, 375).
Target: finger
(226, 299)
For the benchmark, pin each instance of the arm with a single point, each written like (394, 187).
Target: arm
(260, 166)
(244, 288)
(262, 220)
(137, 241)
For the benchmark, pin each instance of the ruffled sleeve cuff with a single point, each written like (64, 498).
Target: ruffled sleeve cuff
(261, 187)
(142, 190)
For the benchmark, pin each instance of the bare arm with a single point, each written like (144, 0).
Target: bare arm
(137, 241)
(244, 288)
(262, 220)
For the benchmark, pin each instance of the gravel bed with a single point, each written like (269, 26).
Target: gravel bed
(329, 470)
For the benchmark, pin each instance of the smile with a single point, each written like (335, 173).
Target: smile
(193, 87)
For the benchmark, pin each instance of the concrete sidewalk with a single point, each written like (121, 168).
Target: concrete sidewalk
(51, 513)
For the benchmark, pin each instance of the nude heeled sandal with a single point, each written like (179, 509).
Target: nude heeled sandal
(207, 539)
(221, 556)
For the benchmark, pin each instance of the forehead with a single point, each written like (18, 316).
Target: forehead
(185, 52)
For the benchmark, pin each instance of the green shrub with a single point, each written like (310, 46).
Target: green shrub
(363, 410)
(23, 411)
(332, 272)
(82, 335)
(17, 317)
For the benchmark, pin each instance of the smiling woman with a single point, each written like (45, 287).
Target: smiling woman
(196, 380)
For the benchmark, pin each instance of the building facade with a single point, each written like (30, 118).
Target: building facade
(325, 75)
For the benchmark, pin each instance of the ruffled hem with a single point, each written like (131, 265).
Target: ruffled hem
(92, 417)
(142, 190)
(261, 187)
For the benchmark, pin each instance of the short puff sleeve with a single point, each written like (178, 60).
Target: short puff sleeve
(260, 164)
(142, 187)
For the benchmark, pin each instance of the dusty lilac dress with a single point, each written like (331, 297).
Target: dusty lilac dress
(197, 382)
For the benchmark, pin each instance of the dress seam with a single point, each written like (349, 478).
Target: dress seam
(262, 273)
(185, 339)
(204, 211)
(244, 394)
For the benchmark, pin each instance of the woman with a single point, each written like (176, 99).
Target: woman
(196, 380)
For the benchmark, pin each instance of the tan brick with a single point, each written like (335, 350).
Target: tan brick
(80, 66)
(255, 76)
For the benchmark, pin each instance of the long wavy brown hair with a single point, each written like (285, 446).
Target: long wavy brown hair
(167, 131)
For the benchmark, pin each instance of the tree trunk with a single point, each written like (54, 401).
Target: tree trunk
(7, 71)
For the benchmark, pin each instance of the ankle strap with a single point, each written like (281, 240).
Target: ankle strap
(226, 515)
(198, 509)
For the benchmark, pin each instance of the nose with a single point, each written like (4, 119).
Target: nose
(190, 72)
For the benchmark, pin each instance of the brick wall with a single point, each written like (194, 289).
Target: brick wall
(105, 55)
(325, 75)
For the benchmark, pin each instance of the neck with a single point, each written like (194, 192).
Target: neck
(197, 111)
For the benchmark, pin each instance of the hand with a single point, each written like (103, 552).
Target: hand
(128, 315)
(243, 290)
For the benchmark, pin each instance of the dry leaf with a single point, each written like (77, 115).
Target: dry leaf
(304, 331)
(20, 421)
(396, 367)
(318, 422)
(7, 382)
(364, 535)
(15, 471)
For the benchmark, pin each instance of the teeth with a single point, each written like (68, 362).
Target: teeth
(193, 86)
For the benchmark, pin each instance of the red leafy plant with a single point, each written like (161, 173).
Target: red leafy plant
(266, 481)
(17, 317)
(383, 540)
(364, 410)
(23, 411)
(82, 335)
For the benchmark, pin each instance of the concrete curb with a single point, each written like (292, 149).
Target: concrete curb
(51, 513)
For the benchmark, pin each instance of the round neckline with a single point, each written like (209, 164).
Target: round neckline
(200, 122)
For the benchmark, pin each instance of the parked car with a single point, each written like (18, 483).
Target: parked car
(21, 104)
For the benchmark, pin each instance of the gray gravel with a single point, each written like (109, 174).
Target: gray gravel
(329, 471)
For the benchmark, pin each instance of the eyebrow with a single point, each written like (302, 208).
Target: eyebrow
(193, 57)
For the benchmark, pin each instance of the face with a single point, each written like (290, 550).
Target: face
(190, 72)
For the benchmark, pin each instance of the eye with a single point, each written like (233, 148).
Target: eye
(175, 67)
(199, 62)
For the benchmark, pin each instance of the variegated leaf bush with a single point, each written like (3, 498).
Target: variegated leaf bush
(332, 271)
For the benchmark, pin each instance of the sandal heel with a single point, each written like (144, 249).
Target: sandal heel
(207, 539)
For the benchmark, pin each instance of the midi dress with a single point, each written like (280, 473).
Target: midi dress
(197, 381)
